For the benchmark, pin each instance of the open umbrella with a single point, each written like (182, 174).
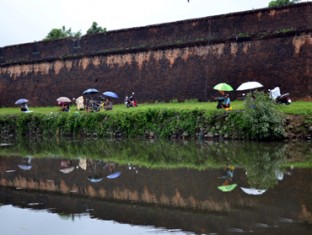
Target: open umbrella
(95, 179)
(90, 91)
(110, 94)
(67, 170)
(223, 87)
(21, 101)
(249, 86)
(114, 175)
(63, 99)
(24, 167)
(253, 191)
(227, 188)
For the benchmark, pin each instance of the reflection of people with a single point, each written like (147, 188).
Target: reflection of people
(110, 166)
(228, 174)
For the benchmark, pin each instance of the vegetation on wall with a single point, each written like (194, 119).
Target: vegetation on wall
(277, 3)
(65, 33)
(95, 28)
(61, 33)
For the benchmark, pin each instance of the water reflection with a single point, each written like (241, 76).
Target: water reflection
(141, 184)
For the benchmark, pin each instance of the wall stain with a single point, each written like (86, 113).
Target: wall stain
(299, 41)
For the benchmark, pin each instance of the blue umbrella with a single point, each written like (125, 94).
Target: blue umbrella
(95, 179)
(114, 175)
(90, 91)
(22, 101)
(110, 94)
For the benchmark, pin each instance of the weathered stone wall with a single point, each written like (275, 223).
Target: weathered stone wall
(180, 60)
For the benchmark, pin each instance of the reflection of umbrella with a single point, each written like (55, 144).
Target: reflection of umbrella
(253, 191)
(90, 91)
(227, 188)
(95, 179)
(22, 101)
(110, 94)
(279, 175)
(67, 170)
(114, 175)
(24, 167)
(249, 86)
(223, 87)
(63, 99)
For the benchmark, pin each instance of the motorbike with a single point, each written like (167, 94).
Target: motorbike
(275, 94)
(130, 102)
(283, 99)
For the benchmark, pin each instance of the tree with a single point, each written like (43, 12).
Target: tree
(61, 33)
(277, 3)
(95, 29)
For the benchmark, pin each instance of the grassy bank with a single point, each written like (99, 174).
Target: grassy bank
(190, 119)
(296, 108)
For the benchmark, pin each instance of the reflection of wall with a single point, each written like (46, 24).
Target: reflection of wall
(181, 188)
(160, 217)
(155, 196)
(177, 60)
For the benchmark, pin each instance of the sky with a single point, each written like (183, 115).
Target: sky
(25, 21)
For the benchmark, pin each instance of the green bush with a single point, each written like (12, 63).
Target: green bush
(261, 119)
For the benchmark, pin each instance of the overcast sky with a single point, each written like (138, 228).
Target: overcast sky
(24, 21)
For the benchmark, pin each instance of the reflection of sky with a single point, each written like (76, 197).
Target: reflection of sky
(17, 221)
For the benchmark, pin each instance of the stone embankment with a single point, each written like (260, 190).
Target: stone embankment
(149, 124)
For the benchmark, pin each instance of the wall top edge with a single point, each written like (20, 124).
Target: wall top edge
(232, 14)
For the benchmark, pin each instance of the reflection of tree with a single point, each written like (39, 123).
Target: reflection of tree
(166, 154)
(261, 167)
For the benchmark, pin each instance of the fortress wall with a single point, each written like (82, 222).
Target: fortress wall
(181, 60)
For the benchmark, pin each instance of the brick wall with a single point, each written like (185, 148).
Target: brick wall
(179, 60)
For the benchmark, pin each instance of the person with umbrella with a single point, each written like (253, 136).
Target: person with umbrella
(227, 176)
(23, 103)
(64, 103)
(224, 101)
(108, 105)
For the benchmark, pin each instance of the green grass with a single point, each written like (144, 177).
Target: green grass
(209, 106)
(296, 108)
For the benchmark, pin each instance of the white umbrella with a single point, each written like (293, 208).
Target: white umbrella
(24, 167)
(253, 191)
(21, 101)
(63, 99)
(249, 86)
(67, 170)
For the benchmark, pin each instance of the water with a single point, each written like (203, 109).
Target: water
(123, 187)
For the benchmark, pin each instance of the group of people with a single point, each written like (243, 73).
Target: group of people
(94, 105)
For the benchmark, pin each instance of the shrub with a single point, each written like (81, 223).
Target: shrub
(261, 119)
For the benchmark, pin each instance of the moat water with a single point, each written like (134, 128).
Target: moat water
(155, 187)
